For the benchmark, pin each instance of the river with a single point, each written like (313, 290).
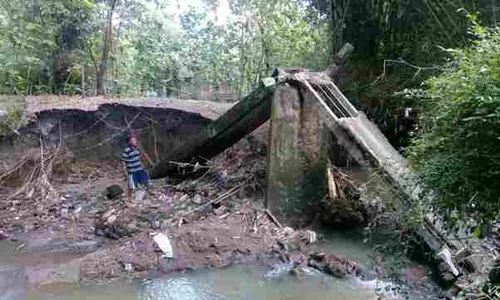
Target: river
(237, 282)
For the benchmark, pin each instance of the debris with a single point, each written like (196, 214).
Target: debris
(445, 255)
(312, 237)
(111, 219)
(197, 199)
(113, 192)
(318, 256)
(108, 214)
(163, 243)
(332, 187)
(163, 198)
(224, 216)
(77, 210)
(333, 265)
(132, 226)
(273, 218)
(221, 198)
(139, 195)
(220, 210)
(129, 268)
(284, 245)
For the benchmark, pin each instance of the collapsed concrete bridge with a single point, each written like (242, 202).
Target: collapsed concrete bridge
(311, 120)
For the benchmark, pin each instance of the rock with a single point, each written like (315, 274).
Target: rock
(113, 192)
(197, 200)
(334, 265)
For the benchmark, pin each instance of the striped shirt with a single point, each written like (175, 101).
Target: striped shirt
(132, 158)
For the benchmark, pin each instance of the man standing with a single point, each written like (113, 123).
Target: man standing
(134, 170)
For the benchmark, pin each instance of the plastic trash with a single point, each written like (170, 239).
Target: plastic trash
(312, 237)
(163, 243)
(445, 255)
(139, 195)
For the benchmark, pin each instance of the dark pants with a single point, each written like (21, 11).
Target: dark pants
(139, 178)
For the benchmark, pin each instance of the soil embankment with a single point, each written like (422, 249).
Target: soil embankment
(54, 200)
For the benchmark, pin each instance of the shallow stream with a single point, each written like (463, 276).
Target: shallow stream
(238, 282)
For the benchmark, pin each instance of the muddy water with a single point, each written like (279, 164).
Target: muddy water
(239, 282)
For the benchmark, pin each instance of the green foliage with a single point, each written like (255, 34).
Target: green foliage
(413, 31)
(457, 150)
(31, 35)
(154, 47)
(258, 36)
(12, 114)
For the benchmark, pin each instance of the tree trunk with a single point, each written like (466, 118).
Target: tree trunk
(222, 133)
(82, 69)
(105, 50)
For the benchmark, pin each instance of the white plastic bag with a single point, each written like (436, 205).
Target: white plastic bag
(163, 243)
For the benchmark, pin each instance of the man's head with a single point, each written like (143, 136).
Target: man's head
(132, 140)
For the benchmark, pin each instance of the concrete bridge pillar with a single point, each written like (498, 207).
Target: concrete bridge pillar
(296, 157)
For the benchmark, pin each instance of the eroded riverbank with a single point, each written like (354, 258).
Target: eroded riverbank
(212, 213)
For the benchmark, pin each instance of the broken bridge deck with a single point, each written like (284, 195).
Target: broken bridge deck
(353, 130)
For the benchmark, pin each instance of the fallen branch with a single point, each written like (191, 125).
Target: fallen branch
(15, 168)
(401, 61)
(219, 199)
(196, 166)
(273, 218)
